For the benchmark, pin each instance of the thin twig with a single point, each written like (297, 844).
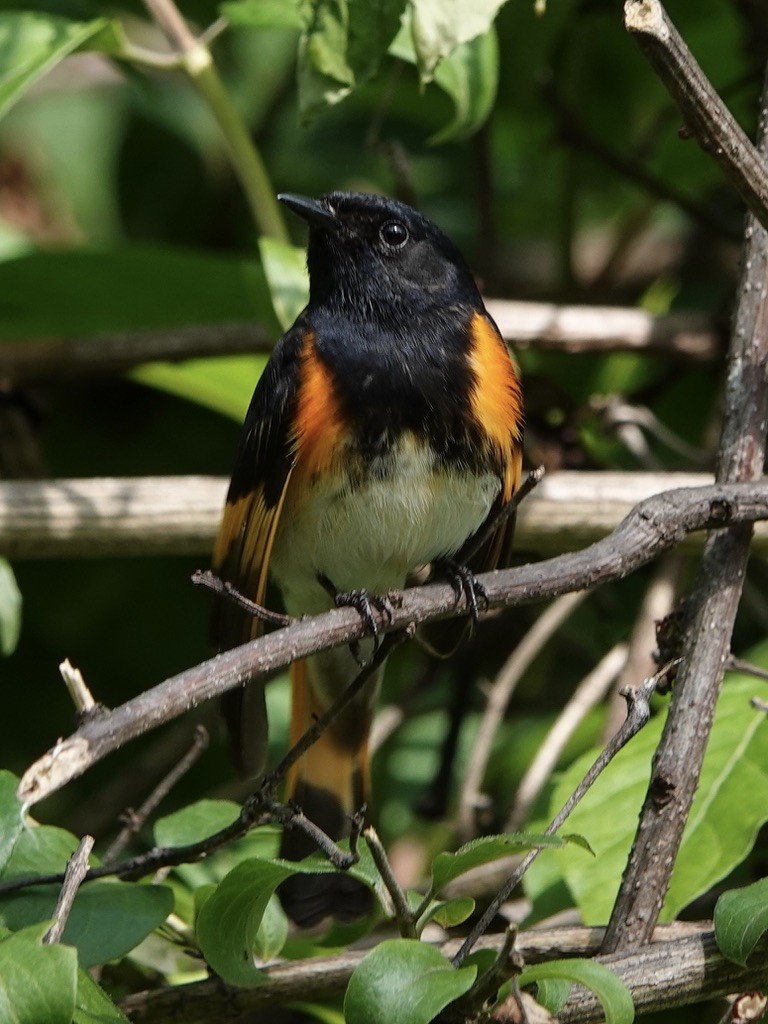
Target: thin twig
(501, 692)
(532, 480)
(73, 878)
(404, 919)
(209, 580)
(260, 808)
(587, 694)
(135, 819)
(653, 527)
(81, 696)
(734, 664)
(638, 714)
(706, 116)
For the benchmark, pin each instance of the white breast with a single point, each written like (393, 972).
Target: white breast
(406, 512)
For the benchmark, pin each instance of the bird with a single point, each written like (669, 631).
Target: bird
(384, 434)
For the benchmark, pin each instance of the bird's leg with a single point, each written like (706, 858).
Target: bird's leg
(365, 604)
(465, 584)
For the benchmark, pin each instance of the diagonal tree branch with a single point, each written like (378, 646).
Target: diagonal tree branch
(714, 602)
(654, 526)
(706, 116)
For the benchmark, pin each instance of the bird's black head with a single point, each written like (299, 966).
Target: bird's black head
(373, 256)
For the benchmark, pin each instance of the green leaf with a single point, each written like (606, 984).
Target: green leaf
(553, 993)
(10, 609)
(39, 850)
(730, 806)
(93, 1005)
(273, 931)
(449, 913)
(263, 13)
(609, 989)
(403, 981)
(229, 921)
(11, 821)
(285, 267)
(469, 76)
(195, 822)
(447, 866)
(31, 44)
(440, 26)
(741, 919)
(132, 288)
(37, 983)
(342, 47)
(224, 384)
(107, 920)
(199, 820)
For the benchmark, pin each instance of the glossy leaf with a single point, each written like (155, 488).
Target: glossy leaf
(93, 1005)
(196, 822)
(553, 993)
(449, 913)
(224, 384)
(402, 981)
(741, 919)
(37, 982)
(730, 806)
(10, 609)
(609, 989)
(39, 850)
(107, 920)
(229, 921)
(447, 866)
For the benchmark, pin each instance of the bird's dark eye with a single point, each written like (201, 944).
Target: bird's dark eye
(394, 234)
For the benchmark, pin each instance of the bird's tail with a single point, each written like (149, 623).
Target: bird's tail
(330, 784)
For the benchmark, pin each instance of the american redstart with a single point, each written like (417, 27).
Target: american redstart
(384, 433)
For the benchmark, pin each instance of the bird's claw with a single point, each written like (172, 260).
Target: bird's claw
(365, 603)
(465, 584)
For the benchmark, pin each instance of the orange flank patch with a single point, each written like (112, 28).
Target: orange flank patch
(319, 423)
(326, 765)
(497, 401)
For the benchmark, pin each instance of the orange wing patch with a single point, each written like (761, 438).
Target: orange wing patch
(319, 421)
(497, 401)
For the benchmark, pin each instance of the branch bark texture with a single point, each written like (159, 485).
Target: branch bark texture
(654, 526)
(323, 977)
(714, 602)
(706, 116)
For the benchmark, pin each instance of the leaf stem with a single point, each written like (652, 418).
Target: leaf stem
(197, 62)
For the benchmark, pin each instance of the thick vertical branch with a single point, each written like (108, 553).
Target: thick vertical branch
(714, 601)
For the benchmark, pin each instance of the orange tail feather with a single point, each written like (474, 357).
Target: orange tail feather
(330, 783)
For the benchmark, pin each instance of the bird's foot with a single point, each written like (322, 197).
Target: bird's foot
(365, 603)
(465, 584)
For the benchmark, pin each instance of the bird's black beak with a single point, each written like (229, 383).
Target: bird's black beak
(313, 211)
